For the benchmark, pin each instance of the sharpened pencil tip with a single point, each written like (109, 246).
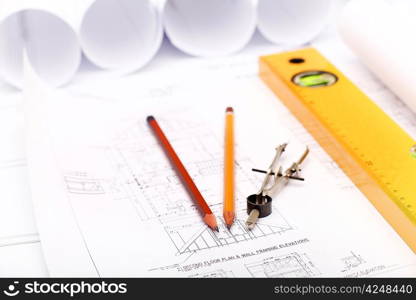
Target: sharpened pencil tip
(229, 217)
(150, 118)
(211, 222)
(229, 109)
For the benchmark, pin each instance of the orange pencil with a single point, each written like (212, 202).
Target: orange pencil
(185, 178)
(229, 205)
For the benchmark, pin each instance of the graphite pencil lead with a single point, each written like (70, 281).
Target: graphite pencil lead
(211, 221)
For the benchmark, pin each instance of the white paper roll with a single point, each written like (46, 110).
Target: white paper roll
(208, 28)
(51, 42)
(382, 34)
(292, 22)
(121, 34)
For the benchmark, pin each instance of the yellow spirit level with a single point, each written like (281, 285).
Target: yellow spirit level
(374, 151)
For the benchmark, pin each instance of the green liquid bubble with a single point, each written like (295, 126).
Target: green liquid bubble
(314, 80)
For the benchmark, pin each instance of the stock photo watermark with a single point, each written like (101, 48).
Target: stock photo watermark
(64, 288)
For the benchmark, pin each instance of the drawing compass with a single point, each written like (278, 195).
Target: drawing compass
(260, 205)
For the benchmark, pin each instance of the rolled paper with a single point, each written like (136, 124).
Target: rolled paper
(121, 34)
(292, 22)
(40, 27)
(114, 34)
(381, 34)
(209, 28)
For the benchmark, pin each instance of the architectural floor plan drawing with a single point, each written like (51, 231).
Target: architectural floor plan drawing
(214, 274)
(139, 197)
(143, 177)
(78, 185)
(146, 177)
(123, 212)
(148, 180)
(205, 238)
(289, 265)
(352, 261)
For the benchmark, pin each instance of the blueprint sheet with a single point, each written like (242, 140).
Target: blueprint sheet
(118, 209)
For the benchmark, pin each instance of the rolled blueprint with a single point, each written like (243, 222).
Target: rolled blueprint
(208, 28)
(51, 42)
(114, 34)
(381, 33)
(121, 34)
(292, 22)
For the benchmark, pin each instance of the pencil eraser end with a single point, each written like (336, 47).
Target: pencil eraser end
(229, 109)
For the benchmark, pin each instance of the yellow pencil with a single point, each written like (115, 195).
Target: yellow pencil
(229, 205)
